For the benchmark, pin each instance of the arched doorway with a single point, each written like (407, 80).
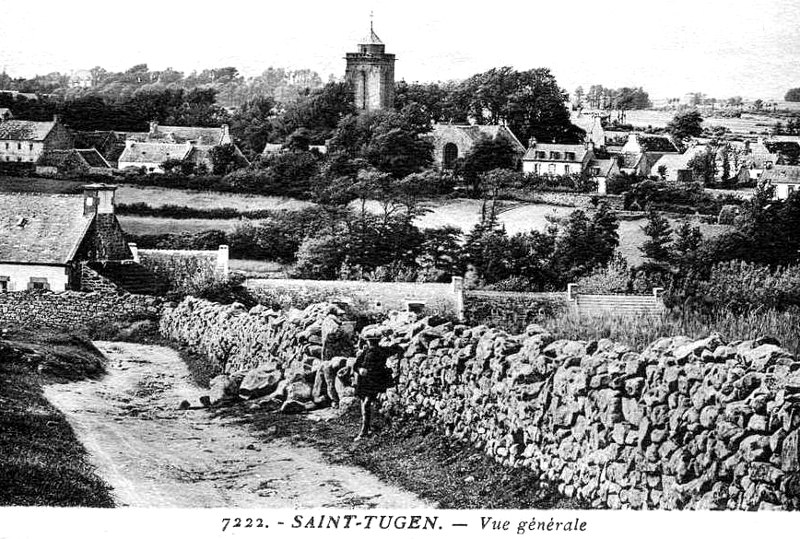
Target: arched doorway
(450, 155)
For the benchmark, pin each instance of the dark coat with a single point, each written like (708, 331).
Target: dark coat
(379, 377)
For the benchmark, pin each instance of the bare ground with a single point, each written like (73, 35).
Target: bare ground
(155, 455)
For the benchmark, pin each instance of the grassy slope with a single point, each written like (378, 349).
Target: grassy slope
(41, 461)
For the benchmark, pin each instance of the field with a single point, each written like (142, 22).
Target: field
(461, 213)
(747, 124)
(160, 196)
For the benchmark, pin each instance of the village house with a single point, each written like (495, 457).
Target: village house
(23, 141)
(785, 179)
(452, 142)
(108, 143)
(163, 142)
(592, 125)
(641, 152)
(557, 159)
(45, 239)
(72, 162)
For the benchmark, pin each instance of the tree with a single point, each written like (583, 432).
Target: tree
(488, 154)
(531, 102)
(792, 95)
(686, 124)
(252, 125)
(686, 244)
(659, 236)
(224, 158)
(704, 166)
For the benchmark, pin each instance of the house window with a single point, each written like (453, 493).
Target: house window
(566, 169)
(19, 158)
(551, 168)
(19, 145)
(789, 190)
(38, 283)
(596, 171)
(537, 168)
(555, 155)
(570, 156)
(30, 146)
(4, 280)
(6, 145)
(541, 155)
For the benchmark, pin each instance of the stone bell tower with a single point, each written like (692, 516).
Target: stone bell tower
(370, 74)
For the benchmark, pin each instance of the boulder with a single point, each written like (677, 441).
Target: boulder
(259, 382)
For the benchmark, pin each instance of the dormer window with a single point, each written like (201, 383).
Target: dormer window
(21, 222)
(555, 155)
(570, 156)
(541, 155)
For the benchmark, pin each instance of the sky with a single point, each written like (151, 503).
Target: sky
(719, 47)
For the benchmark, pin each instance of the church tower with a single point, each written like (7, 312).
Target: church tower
(370, 74)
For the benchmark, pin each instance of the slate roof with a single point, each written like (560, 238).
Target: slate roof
(93, 158)
(578, 149)
(153, 152)
(41, 229)
(90, 157)
(25, 130)
(371, 38)
(605, 165)
(475, 132)
(655, 143)
(169, 134)
(782, 174)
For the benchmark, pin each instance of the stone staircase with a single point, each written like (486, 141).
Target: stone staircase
(130, 276)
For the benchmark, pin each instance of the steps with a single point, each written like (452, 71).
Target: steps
(130, 277)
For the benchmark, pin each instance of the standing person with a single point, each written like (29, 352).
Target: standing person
(371, 377)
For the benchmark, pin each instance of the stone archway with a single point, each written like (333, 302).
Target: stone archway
(450, 155)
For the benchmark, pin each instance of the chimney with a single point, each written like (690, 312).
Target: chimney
(531, 142)
(98, 199)
(56, 118)
(226, 135)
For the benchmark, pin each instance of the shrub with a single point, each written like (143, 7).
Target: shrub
(613, 278)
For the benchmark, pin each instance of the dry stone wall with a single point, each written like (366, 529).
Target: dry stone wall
(287, 359)
(71, 311)
(699, 424)
(685, 424)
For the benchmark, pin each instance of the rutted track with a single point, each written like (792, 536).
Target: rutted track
(155, 455)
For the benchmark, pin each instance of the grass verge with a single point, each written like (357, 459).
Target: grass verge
(414, 456)
(41, 461)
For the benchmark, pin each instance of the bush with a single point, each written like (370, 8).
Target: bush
(613, 278)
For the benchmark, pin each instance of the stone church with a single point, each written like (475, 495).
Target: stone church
(370, 74)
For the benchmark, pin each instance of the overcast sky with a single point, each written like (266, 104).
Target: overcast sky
(719, 47)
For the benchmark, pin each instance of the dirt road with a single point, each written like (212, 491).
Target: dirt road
(155, 455)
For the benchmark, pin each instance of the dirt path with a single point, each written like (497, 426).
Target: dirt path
(155, 455)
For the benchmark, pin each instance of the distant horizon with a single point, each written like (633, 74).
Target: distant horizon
(721, 49)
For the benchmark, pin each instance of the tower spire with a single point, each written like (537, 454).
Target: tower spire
(371, 17)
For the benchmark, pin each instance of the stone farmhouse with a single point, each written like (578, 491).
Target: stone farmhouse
(71, 162)
(60, 242)
(162, 142)
(557, 159)
(23, 141)
(452, 142)
(785, 179)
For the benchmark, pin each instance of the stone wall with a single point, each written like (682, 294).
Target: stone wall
(558, 198)
(695, 424)
(374, 297)
(238, 339)
(511, 311)
(683, 424)
(91, 281)
(176, 267)
(75, 311)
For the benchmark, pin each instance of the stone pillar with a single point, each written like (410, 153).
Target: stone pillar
(458, 293)
(223, 261)
(134, 251)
